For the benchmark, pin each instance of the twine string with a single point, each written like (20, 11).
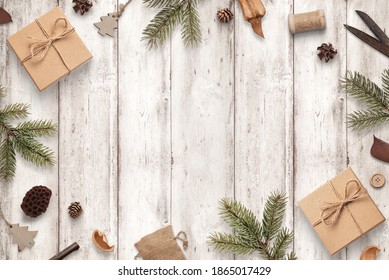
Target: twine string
(40, 47)
(121, 9)
(184, 239)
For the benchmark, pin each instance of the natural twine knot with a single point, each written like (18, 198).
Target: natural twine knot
(40, 47)
(331, 212)
(184, 240)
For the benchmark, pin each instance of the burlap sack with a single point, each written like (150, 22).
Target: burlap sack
(161, 245)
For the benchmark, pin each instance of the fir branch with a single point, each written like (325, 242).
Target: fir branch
(365, 90)
(250, 234)
(273, 214)
(229, 243)
(14, 111)
(191, 33)
(37, 128)
(7, 160)
(163, 24)
(159, 3)
(361, 119)
(282, 241)
(376, 99)
(242, 220)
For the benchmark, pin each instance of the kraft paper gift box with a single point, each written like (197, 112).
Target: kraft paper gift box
(49, 48)
(341, 211)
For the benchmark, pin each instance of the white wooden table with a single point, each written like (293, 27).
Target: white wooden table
(151, 138)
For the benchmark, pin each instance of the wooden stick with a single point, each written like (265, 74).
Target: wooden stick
(65, 252)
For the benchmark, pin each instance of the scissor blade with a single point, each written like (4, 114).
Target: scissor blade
(374, 27)
(373, 42)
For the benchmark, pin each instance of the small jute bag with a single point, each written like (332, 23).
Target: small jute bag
(162, 245)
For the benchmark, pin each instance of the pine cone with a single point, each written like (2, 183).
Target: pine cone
(75, 209)
(82, 5)
(36, 201)
(225, 15)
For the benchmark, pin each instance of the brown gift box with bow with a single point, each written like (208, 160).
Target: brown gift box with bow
(49, 48)
(341, 211)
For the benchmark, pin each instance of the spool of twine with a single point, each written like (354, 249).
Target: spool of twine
(307, 22)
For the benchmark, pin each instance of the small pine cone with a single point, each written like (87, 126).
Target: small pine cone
(225, 15)
(75, 209)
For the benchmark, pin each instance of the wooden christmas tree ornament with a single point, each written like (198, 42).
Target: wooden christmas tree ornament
(109, 23)
(20, 235)
(253, 12)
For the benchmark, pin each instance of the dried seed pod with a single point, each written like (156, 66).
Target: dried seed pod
(100, 241)
(225, 15)
(326, 51)
(75, 209)
(380, 150)
(253, 12)
(36, 201)
(370, 253)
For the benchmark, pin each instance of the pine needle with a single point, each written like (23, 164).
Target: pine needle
(159, 3)
(7, 160)
(14, 111)
(273, 214)
(229, 243)
(38, 128)
(191, 33)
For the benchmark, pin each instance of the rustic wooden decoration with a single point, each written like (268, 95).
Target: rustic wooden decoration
(5, 17)
(370, 253)
(20, 235)
(109, 23)
(65, 252)
(380, 150)
(253, 12)
(100, 241)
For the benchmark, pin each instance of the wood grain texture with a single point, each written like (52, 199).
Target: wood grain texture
(20, 88)
(264, 110)
(144, 132)
(151, 138)
(88, 139)
(202, 130)
(319, 117)
(371, 63)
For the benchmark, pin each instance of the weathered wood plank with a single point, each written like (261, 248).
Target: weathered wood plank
(88, 139)
(20, 88)
(203, 130)
(369, 62)
(320, 131)
(144, 132)
(264, 110)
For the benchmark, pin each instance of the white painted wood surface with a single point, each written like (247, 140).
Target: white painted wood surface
(151, 138)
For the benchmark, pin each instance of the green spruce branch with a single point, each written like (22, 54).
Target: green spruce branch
(268, 237)
(173, 13)
(375, 98)
(22, 139)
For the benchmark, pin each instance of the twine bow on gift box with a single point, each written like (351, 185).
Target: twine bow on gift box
(331, 211)
(40, 47)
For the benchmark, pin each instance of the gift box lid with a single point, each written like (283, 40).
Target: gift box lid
(355, 218)
(63, 56)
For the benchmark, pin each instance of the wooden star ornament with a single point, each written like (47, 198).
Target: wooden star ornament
(107, 25)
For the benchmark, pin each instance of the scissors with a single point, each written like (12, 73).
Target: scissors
(381, 44)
